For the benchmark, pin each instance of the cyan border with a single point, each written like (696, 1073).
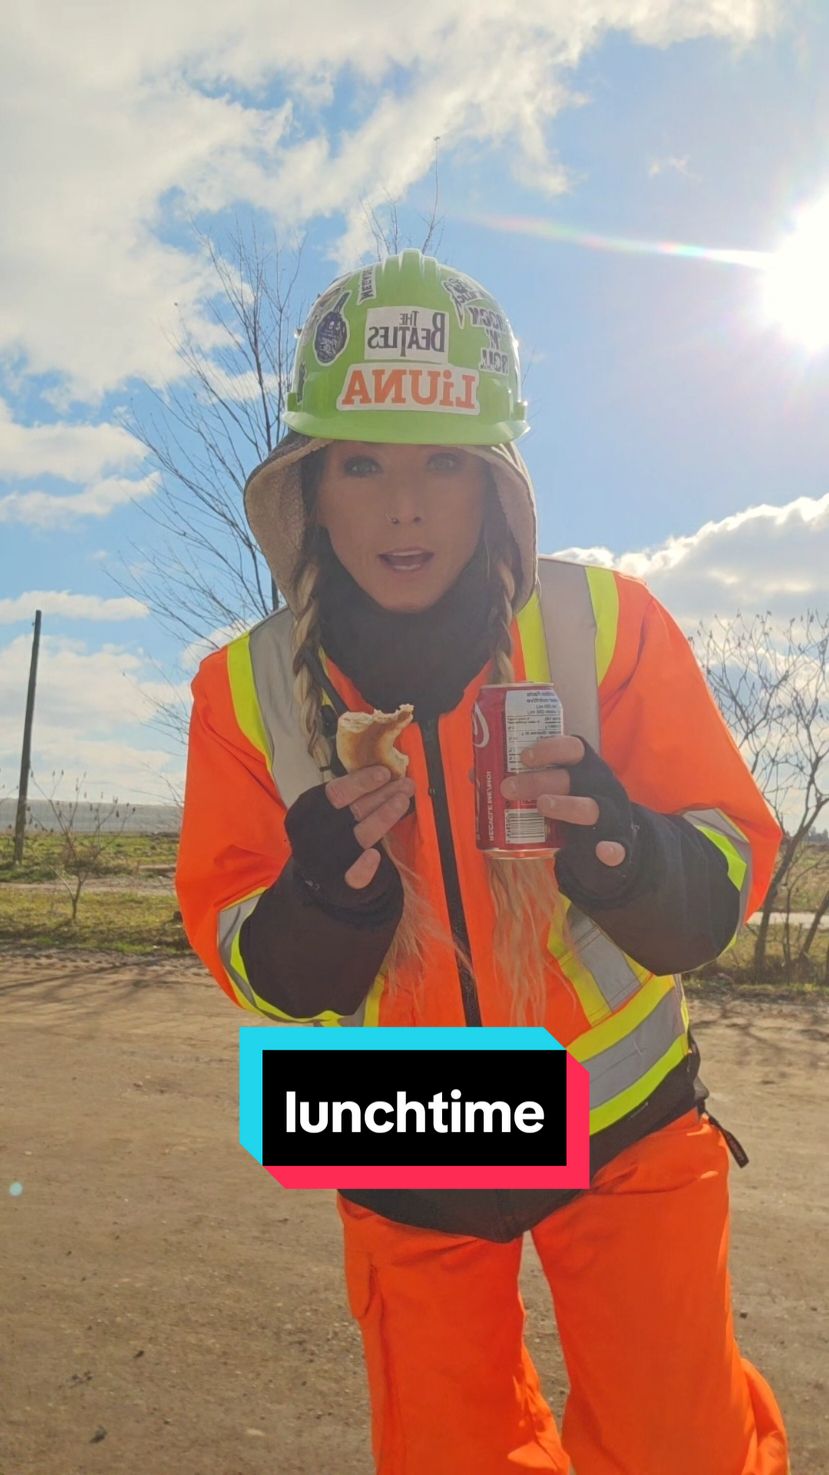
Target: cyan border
(255, 1039)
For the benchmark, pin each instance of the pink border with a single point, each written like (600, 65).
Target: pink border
(575, 1173)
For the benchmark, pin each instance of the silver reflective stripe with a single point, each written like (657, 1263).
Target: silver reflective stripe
(230, 920)
(621, 1065)
(714, 819)
(570, 630)
(614, 977)
(292, 766)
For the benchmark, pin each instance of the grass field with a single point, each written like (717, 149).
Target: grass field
(125, 919)
(124, 855)
(120, 921)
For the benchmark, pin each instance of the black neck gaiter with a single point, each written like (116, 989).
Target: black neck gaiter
(426, 658)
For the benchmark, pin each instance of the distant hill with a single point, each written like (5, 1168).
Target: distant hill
(146, 819)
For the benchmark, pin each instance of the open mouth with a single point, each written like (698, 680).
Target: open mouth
(407, 560)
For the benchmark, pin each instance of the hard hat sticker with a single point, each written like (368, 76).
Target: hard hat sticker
(406, 333)
(331, 332)
(410, 387)
(462, 293)
(368, 286)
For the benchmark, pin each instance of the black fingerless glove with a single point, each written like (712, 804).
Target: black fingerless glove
(581, 875)
(324, 846)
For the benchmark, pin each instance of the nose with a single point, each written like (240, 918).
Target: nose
(404, 502)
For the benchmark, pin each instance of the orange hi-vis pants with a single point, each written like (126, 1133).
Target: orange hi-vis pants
(638, 1270)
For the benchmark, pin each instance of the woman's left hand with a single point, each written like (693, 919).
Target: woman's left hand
(568, 796)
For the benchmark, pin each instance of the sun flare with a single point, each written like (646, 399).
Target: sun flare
(796, 287)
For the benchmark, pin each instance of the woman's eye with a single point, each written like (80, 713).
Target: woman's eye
(360, 466)
(444, 461)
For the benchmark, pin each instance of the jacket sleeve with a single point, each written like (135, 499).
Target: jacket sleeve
(309, 963)
(707, 839)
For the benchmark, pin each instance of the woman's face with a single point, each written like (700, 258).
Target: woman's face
(404, 520)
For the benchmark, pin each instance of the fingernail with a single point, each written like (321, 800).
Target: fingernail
(527, 755)
(547, 804)
(509, 787)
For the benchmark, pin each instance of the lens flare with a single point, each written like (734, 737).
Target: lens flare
(796, 287)
(531, 225)
(794, 294)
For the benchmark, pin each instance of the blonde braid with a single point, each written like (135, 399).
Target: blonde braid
(305, 644)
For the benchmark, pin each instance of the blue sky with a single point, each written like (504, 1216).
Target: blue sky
(679, 429)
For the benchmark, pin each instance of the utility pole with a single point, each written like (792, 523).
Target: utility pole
(26, 756)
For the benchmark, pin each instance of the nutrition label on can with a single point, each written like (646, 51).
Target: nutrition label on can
(529, 714)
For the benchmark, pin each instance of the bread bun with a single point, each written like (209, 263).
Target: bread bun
(364, 738)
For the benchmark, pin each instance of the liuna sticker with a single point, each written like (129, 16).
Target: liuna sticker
(410, 387)
(331, 332)
(406, 333)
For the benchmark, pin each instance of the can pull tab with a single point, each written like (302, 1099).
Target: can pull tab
(736, 1148)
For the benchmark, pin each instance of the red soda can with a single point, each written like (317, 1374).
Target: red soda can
(505, 720)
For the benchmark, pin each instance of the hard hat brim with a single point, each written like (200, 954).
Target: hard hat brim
(276, 514)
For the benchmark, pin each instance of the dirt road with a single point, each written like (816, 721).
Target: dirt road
(168, 1309)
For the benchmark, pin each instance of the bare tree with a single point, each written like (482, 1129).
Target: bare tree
(82, 853)
(770, 682)
(206, 434)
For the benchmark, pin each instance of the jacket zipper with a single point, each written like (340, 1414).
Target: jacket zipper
(449, 865)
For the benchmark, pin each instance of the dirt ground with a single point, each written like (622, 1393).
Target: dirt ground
(167, 1308)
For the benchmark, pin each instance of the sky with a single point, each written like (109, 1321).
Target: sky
(642, 184)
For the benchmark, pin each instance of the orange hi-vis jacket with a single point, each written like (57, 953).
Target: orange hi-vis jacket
(629, 684)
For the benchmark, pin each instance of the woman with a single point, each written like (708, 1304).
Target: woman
(399, 521)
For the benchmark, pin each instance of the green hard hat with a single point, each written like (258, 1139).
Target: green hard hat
(407, 351)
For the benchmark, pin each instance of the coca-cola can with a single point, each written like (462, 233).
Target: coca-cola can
(505, 720)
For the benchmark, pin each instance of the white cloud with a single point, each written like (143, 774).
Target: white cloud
(128, 120)
(90, 712)
(196, 651)
(670, 165)
(55, 509)
(74, 452)
(69, 606)
(765, 558)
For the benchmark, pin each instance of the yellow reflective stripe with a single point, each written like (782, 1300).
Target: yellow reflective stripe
(326, 700)
(243, 695)
(589, 994)
(533, 640)
(627, 1101)
(372, 1014)
(736, 865)
(604, 596)
(262, 1006)
(626, 1019)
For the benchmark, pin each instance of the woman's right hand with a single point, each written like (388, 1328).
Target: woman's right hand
(377, 801)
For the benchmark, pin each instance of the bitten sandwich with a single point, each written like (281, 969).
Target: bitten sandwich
(364, 738)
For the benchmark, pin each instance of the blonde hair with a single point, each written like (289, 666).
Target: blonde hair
(525, 892)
